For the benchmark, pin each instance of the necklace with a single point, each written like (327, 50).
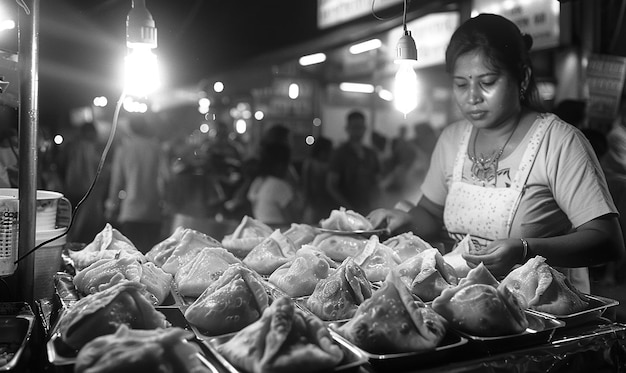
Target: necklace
(485, 168)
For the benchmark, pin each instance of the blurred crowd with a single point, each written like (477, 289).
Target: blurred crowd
(149, 185)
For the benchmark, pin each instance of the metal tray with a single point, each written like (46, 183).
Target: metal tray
(540, 330)
(358, 232)
(17, 320)
(352, 360)
(59, 354)
(597, 306)
(450, 347)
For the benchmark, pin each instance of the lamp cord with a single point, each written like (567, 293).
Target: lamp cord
(404, 15)
(93, 182)
(386, 19)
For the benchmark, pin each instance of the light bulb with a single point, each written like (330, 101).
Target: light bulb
(405, 87)
(142, 76)
(141, 63)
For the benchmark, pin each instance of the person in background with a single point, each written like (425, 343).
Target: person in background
(79, 162)
(354, 170)
(271, 195)
(318, 201)
(239, 204)
(9, 145)
(136, 188)
(519, 180)
(401, 174)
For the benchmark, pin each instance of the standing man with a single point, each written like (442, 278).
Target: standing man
(136, 186)
(354, 169)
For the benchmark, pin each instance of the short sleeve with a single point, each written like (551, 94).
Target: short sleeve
(576, 178)
(435, 185)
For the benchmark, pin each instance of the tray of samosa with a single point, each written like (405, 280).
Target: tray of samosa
(103, 313)
(492, 315)
(285, 339)
(594, 309)
(396, 330)
(545, 291)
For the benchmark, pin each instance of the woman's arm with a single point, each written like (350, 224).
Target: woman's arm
(596, 242)
(424, 220)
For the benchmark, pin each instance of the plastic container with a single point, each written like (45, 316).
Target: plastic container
(53, 209)
(47, 261)
(8, 235)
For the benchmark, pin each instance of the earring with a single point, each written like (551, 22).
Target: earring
(522, 91)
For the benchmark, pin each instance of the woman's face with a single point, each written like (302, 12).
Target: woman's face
(486, 97)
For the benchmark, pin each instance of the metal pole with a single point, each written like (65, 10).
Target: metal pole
(28, 61)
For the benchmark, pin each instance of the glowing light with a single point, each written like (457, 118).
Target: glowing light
(246, 114)
(356, 87)
(204, 128)
(218, 87)
(58, 139)
(258, 115)
(312, 59)
(317, 122)
(294, 91)
(132, 106)
(365, 46)
(142, 75)
(7, 24)
(100, 101)
(310, 140)
(385, 94)
(241, 126)
(405, 90)
(204, 105)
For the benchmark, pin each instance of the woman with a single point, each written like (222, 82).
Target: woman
(521, 182)
(272, 197)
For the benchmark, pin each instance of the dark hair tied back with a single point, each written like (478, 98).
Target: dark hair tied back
(528, 41)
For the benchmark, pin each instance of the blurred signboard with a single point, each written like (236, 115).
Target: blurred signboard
(538, 18)
(333, 12)
(605, 82)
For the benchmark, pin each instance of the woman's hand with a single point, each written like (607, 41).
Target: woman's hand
(391, 219)
(499, 256)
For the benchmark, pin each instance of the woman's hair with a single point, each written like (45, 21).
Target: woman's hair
(274, 159)
(504, 46)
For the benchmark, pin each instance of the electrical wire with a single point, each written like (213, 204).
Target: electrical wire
(382, 18)
(404, 15)
(103, 157)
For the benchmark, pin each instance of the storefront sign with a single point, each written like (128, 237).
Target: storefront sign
(538, 18)
(431, 33)
(605, 82)
(334, 12)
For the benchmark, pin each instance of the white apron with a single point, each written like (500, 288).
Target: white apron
(486, 213)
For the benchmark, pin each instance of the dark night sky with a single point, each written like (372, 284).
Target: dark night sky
(82, 42)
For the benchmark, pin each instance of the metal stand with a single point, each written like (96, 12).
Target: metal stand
(28, 62)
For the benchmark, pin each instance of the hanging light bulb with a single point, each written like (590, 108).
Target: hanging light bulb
(141, 63)
(405, 85)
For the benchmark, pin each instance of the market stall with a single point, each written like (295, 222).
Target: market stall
(329, 298)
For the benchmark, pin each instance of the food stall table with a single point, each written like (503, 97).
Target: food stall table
(598, 346)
